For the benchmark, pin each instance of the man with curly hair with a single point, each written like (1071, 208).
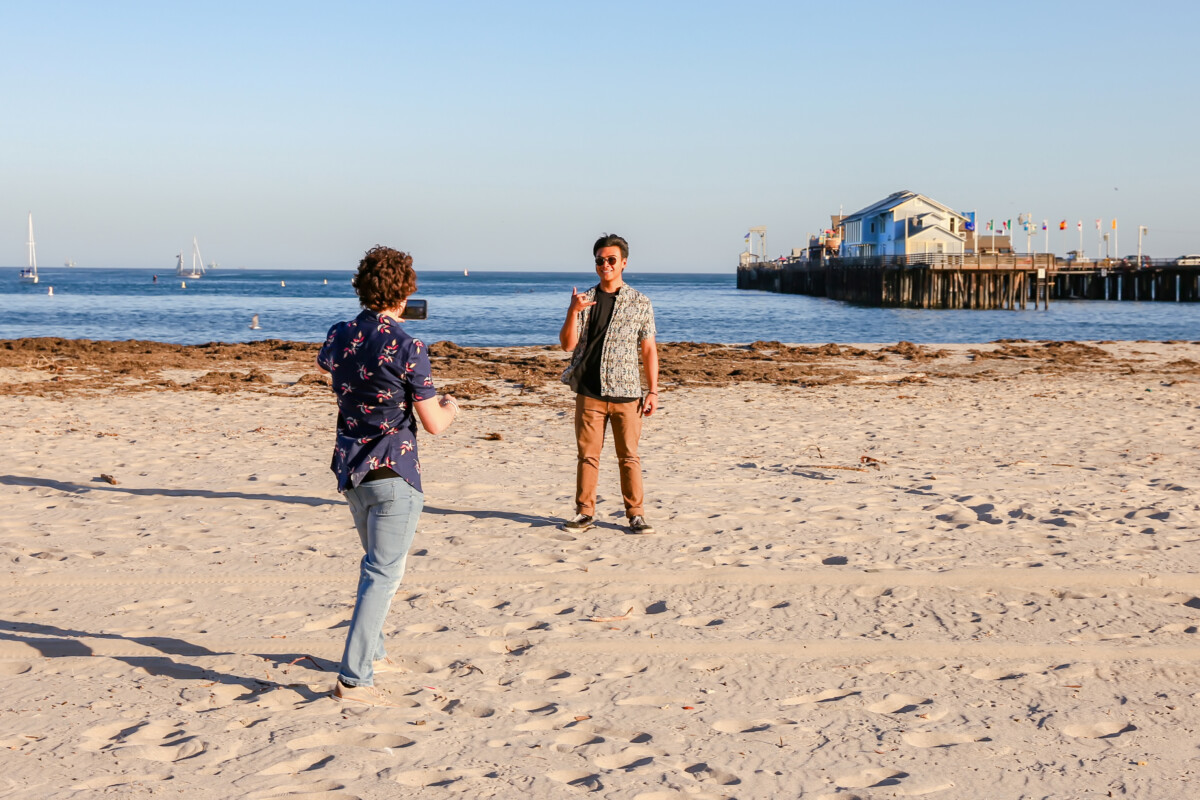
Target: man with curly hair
(606, 329)
(383, 384)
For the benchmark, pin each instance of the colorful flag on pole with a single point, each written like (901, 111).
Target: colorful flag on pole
(747, 237)
(970, 221)
(1080, 226)
(1045, 223)
(1008, 224)
(1062, 226)
(1114, 224)
(1097, 225)
(991, 225)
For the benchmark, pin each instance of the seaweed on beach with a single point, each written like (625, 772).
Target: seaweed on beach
(1066, 353)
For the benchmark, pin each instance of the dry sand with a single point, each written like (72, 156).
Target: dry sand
(955, 572)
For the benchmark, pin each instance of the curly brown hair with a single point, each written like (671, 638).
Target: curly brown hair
(385, 278)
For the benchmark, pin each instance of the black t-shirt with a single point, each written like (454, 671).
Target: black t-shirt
(589, 383)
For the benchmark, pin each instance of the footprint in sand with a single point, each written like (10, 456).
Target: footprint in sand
(996, 674)
(163, 752)
(898, 704)
(556, 610)
(572, 740)
(652, 700)
(629, 759)
(871, 778)
(540, 707)
(324, 789)
(709, 774)
(1105, 729)
(327, 622)
(104, 737)
(441, 778)
(354, 737)
(622, 671)
(826, 696)
(544, 716)
(928, 739)
(304, 763)
(154, 604)
(101, 782)
(577, 777)
(743, 725)
(477, 710)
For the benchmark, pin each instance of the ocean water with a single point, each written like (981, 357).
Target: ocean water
(490, 308)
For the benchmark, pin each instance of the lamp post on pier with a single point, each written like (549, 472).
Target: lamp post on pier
(1142, 231)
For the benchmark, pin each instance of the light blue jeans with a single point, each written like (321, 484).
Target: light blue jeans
(385, 513)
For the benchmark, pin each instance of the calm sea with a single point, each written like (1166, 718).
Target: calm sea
(521, 308)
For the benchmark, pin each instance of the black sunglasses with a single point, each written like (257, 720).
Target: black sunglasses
(602, 260)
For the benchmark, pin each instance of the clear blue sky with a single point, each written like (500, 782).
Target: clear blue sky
(509, 135)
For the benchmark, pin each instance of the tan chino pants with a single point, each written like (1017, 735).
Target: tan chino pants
(591, 417)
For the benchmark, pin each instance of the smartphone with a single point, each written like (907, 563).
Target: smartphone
(415, 309)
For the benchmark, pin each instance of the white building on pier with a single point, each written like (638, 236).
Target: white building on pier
(904, 223)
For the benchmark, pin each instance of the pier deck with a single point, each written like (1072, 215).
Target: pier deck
(972, 282)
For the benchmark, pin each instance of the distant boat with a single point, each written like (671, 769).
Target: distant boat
(254, 326)
(29, 275)
(197, 269)
(68, 263)
(465, 273)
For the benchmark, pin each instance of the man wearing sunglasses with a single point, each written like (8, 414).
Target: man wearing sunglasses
(606, 329)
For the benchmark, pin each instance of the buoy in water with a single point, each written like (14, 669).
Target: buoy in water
(325, 282)
(281, 283)
(183, 284)
(51, 290)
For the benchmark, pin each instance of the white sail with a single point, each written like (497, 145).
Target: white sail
(30, 275)
(197, 268)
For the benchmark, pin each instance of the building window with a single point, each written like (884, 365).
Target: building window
(872, 227)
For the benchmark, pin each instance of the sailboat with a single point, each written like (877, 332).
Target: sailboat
(197, 268)
(29, 275)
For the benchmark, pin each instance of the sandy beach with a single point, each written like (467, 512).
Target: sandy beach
(959, 571)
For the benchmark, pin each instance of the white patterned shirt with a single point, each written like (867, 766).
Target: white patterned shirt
(631, 324)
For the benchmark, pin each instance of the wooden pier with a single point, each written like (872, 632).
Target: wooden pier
(972, 282)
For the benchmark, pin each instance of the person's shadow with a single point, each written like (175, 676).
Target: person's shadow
(51, 641)
(99, 485)
(532, 520)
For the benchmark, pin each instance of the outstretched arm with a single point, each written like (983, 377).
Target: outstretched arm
(436, 413)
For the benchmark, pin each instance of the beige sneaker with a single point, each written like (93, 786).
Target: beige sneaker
(388, 665)
(366, 695)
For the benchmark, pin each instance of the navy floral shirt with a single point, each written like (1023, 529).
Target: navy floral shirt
(378, 372)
